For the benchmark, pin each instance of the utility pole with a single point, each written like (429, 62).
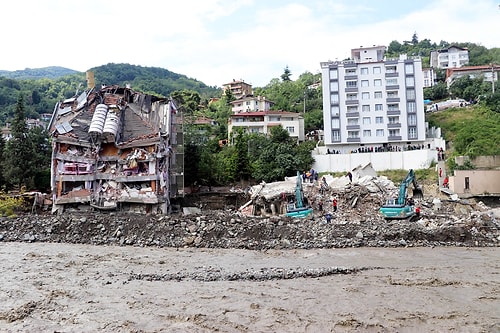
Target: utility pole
(492, 78)
(304, 102)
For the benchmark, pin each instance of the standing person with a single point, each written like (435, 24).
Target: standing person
(328, 217)
(320, 206)
(334, 204)
(445, 182)
(440, 172)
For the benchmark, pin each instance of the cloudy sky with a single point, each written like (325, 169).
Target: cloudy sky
(216, 41)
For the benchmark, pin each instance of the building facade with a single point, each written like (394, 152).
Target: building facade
(451, 57)
(371, 103)
(488, 72)
(238, 88)
(115, 148)
(262, 121)
(251, 103)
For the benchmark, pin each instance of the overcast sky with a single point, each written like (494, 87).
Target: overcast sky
(216, 41)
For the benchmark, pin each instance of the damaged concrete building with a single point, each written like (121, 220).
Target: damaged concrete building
(115, 148)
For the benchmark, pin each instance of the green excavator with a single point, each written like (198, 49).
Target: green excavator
(403, 207)
(298, 208)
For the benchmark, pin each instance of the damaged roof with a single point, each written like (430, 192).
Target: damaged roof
(72, 118)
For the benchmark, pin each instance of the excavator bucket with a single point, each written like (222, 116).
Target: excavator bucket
(418, 193)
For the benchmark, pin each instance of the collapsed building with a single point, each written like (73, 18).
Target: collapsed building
(115, 148)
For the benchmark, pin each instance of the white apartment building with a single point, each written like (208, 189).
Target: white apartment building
(251, 103)
(262, 121)
(451, 57)
(373, 104)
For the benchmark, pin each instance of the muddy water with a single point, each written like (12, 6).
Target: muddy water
(82, 288)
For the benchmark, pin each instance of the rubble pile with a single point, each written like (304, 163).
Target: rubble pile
(474, 226)
(259, 224)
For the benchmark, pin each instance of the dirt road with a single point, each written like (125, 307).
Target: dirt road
(49, 287)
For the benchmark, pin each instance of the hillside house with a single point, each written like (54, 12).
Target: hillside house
(115, 148)
(238, 88)
(488, 72)
(262, 121)
(251, 103)
(451, 57)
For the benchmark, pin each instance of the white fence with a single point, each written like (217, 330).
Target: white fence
(410, 159)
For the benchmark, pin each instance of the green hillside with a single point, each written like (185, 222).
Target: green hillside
(42, 93)
(52, 72)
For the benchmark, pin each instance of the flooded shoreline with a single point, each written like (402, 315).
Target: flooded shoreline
(87, 288)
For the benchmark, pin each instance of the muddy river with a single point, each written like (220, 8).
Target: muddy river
(83, 288)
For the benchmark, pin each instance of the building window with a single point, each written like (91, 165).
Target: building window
(410, 81)
(380, 132)
(412, 107)
(379, 107)
(335, 123)
(393, 107)
(393, 120)
(412, 120)
(412, 133)
(377, 70)
(410, 94)
(392, 94)
(391, 81)
(335, 135)
(409, 68)
(364, 70)
(366, 108)
(335, 110)
(377, 82)
(351, 84)
(352, 108)
(353, 134)
(365, 95)
(378, 94)
(334, 98)
(366, 120)
(394, 132)
(364, 83)
(352, 121)
(290, 129)
(391, 69)
(352, 97)
(379, 120)
(334, 74)
(467, 183)
(367, 133)
(334, 86)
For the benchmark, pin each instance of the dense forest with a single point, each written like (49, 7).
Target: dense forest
(250, 157)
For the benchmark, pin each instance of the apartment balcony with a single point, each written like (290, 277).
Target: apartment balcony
(350, 63)
(394, 125)
(352, 114)
(350, 77)
(393, 100)
(393, 112)
(394, 138)
(352, 102)
(391, 74)
(353, 139)
(392, 87)
(352, 127)
(351, 89)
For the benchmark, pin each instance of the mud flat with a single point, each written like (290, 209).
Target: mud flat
(51, 287)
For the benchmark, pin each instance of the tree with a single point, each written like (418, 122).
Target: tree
(286, 74)
(18, 161)
(414, 38)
